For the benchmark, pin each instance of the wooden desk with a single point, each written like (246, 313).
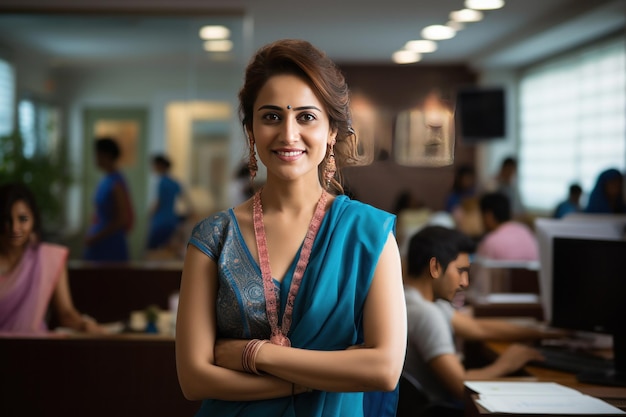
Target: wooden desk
(110, 291)
(122, 375)
(613, 395)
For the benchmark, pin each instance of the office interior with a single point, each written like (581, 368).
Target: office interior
(170, 96)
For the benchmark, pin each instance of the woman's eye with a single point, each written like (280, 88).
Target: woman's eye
(307, 117)
(272, 117)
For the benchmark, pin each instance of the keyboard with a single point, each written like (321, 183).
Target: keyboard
(571, 361)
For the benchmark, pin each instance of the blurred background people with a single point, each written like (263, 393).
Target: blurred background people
(463, 187)
(106, 239)
(505, 183)
(462, 202)
(571, 204)
(33, 273)
(411, 215)
(164, 219)
(505, 239)
(607, 195)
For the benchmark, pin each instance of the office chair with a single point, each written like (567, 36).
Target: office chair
(413, 401)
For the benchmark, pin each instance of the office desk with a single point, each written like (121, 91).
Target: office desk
(615, 396)
(103, 376)
(110, 291)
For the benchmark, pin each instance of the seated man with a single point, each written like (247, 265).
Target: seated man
(437, 267)
(505, 239)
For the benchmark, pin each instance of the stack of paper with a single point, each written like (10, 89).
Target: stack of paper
(537, 398)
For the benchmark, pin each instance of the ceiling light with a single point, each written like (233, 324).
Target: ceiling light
(457, 26)
(422, 46)
(214, 32)
(438, 32)
(484, 4)
(223, 45)
(466, 15)
(406, 57)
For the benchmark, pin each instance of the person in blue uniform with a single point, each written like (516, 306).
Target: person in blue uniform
(106, 239)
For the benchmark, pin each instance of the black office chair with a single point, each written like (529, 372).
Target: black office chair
(413, 401)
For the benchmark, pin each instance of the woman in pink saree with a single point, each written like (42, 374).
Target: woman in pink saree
(32, 273)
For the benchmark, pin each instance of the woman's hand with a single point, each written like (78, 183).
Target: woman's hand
(228, 353)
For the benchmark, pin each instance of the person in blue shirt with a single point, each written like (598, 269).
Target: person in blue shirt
(164, 220)
(572, 204)
(106, 238)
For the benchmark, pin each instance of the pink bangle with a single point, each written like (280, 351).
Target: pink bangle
(249, 354)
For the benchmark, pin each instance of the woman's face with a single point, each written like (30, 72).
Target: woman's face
(291, 128)
(19, 231)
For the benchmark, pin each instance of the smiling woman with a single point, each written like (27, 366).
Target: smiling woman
(274, 303)
(33, 273)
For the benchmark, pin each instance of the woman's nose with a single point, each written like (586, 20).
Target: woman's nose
(291, 132)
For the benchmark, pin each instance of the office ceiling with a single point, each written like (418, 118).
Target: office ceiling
(350, 31)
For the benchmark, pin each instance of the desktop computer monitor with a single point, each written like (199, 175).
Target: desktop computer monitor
(584, 226)
(588, 290)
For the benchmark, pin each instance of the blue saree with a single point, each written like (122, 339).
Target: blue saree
(328, 310)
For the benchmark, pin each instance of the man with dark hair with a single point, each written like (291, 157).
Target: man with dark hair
(438, 264)
(505, 239)
(571, 204)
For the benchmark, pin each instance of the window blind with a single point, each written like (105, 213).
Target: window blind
(572, 122)
(7, 98)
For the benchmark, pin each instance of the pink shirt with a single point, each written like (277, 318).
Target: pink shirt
(511, 241)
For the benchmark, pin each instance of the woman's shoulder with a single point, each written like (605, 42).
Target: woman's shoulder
(218, 220)
(53, 249)
(363, 220)
(357, 206)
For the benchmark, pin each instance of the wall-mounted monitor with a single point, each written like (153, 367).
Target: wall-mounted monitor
(480, 113)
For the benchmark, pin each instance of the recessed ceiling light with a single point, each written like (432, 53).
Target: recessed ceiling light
(405, 57)
(214, 32)
(438, 32)
(484, 4)
(422, 46)
(466, 15)
(457, 26)
(222, 45)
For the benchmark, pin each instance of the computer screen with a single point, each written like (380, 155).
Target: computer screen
(588, 290)
(481, 113)
(589, 285)
(586, 227)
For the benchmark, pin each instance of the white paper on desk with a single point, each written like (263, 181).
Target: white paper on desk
(542, 404)
(511, 388)
(512, 298)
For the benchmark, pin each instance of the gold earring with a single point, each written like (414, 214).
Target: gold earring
(252, 163)
(330, 168)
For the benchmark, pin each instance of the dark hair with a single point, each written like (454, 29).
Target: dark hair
(575, 189)
(108, 146)
(403, 201)
(509, 161)
(161, 160)
(437, 242)
(302, 59)
(498, 204)
(463, 171)
(12, 192)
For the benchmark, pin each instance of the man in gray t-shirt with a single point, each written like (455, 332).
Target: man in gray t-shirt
(430, 336)
(437, 267)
